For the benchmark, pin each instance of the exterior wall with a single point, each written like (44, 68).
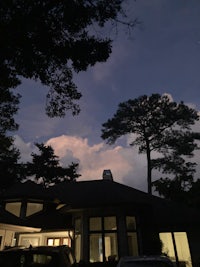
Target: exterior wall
(149, 232)
(194, 241)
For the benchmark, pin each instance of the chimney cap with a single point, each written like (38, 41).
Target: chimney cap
(107, 175)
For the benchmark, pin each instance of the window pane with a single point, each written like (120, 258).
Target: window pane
(167, 245)
(14, 208)
(130, 223)
(78, 225)
(27, 241)
(50, 242)
(182, 247)
(132, 244)
(56, 241)
(33, 208)
(78, 247)
(111, 246)
(78, 228)
(95, 224)
(96, 250)
(66, 241)
(183, 250)
(110, 223)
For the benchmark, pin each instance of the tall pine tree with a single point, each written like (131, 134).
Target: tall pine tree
(156, 124)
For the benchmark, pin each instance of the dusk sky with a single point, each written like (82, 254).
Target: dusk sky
(161, 55)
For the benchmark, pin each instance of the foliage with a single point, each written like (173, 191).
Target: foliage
(8, 108)
(10, 170)
(158, 124)
(177, 145)
(46, 166)
(50, 40)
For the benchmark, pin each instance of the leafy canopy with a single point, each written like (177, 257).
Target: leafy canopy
(49, 41)
(46, 166)
(8, 108)
(158, 124)
(10, 170)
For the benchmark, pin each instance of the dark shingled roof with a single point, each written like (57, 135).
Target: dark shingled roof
(100, 193)
(104, 193)
(27, 189)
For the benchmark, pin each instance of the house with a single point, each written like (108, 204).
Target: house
(101, 220)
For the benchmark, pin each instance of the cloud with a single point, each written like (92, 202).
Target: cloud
(25, 148)
(126, 165)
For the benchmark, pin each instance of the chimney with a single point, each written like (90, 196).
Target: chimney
(107, 175)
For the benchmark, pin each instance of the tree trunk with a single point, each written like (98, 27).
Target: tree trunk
(149, 178)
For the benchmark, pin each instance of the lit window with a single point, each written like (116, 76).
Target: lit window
(110, 241)
(110, 223)
(78, 234)
(131, 236)
(130, 223)
(96, 249)
(14, 208)
(58, 241)
(33, 208)
(95, 224)
(103, 239)
(176, 244)
(50, 242)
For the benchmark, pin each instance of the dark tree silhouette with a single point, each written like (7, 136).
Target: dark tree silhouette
(10, 169)
(50, 40)
(46, 166)
(8, 108)
(158, 124)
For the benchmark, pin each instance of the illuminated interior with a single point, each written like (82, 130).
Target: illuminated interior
(103, 238)
(175, 246)
(33, 208)
(30, 208)
(14, 208)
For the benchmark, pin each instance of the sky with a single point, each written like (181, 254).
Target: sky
(161, 55)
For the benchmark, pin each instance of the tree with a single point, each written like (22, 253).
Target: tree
(50, 40)
(46, 166)
(158, 123)
(8, 108)
(178, 147)
(10, 169)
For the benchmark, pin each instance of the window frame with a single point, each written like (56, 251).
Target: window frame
(103, 233)
(23, 207)
(132, 231)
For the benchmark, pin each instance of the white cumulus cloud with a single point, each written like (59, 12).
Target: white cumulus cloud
(126, 165)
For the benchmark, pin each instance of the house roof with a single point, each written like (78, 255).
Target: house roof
(100, 193)
(97, 193)
(27, 189)
(104, 193)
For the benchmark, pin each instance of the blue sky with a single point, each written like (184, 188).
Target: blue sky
(162, 55)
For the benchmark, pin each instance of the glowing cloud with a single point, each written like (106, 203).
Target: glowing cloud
(126, 165)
